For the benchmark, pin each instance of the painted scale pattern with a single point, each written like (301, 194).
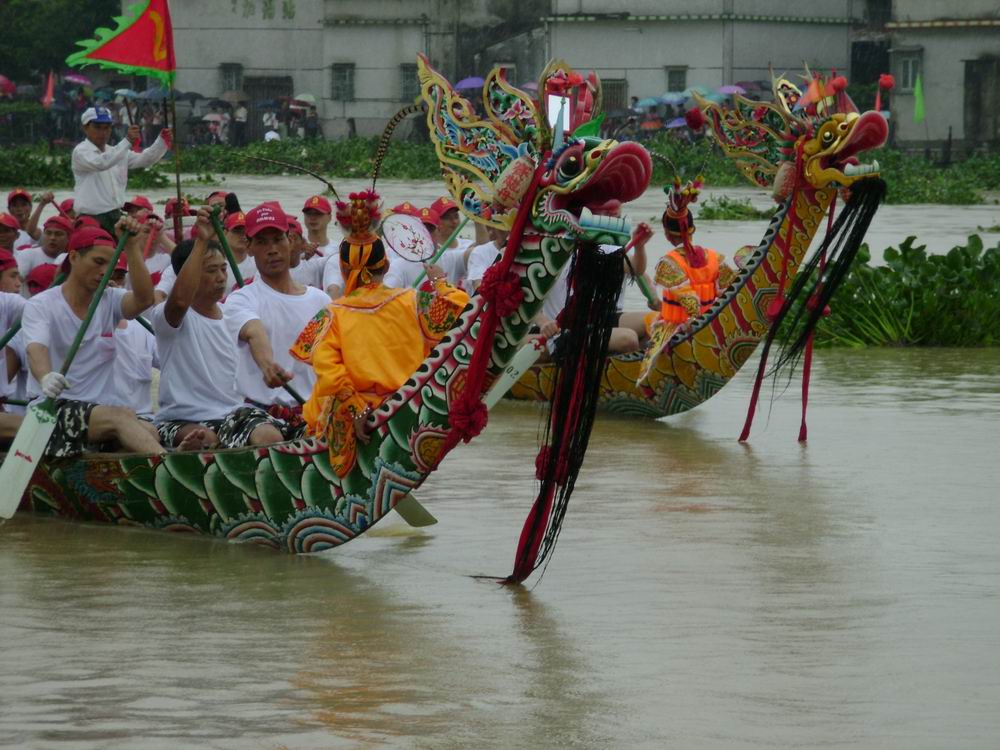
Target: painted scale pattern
(700, 363)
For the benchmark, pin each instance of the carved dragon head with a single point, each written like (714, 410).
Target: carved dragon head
(490, 161)
(811, 138)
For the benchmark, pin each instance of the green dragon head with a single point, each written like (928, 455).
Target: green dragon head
(490, 162)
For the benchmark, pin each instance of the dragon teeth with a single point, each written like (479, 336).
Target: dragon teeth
(615, 224)
(855, 170)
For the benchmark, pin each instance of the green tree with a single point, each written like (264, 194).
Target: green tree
(38, 35)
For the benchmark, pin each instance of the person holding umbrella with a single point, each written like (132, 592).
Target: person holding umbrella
(101, 172)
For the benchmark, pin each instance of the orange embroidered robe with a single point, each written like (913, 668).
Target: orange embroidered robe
(363, 347)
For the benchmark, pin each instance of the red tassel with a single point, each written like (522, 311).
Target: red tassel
(812, 304)
(695, 118)
(878, 100)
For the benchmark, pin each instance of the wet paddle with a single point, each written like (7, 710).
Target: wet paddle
(40, 421)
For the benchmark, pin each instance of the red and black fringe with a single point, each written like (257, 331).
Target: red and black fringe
(595, 282)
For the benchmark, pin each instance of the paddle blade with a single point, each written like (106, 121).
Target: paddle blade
(526, 356)
(415, 514)
(24, 456)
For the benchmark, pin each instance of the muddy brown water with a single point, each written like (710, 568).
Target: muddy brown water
(703, 594)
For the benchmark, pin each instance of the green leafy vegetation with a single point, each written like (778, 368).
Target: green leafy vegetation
(919, 299)
(721, 208)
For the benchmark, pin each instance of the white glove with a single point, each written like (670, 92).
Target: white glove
(53, 384)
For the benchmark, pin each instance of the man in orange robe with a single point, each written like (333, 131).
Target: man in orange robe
(366, 344)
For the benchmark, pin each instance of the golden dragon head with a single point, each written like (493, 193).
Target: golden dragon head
(809, 139)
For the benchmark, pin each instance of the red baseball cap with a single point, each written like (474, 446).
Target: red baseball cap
(122, 264)
(85, 221)
(6, 260)
(264, 216)
(59, 222)
(18, 193)
(66, 206)
(443, 206)
(234, 221)
(407, 209)
(41, 277)
(293, 224)
(90, 237)
(10, 222)
(317, 203)
(430, 216)
(215, 193)
(168, 210)
(141, 201)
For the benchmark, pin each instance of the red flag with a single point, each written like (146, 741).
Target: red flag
(50, 86)
(142, 43)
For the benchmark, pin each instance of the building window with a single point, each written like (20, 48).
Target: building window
(409, 84)
(342, 82)
(909, 69)
(232, 76)
(510, 69)
(677, 79)
(614, 93)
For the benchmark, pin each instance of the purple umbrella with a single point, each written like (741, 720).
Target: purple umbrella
(470, 83)
(732, 89)
(677, 122)
(77, 78)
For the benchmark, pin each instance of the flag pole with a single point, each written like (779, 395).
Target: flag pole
(175, 144)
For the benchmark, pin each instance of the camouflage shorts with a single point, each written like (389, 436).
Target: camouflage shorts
(70, 438)
(233, 430)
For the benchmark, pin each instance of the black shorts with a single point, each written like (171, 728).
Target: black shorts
(70, 436)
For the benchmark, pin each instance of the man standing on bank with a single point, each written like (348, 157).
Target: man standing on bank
(101, 171)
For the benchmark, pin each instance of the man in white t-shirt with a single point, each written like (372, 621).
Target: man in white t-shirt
(234, 227)
(10, 230)
(306, 260)
(324, 259)
(198, 396)
(481, 257)
(11, 306)
(10, 277)
(101, 171)
(51, 320)
(135, 357)
(19, 203)
(55, 240)
(455, 259)
(267, 316)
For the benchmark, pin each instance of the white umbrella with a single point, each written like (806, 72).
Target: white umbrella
(307, 98)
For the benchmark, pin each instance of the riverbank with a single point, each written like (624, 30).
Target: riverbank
(911, 180)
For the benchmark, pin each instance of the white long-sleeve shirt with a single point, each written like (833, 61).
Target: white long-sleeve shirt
(102, 176)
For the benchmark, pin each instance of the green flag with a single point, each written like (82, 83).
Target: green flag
(918, 100)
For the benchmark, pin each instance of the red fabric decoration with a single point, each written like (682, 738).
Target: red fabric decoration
(695, 118)
(467, 418)
(562, 469)
(839, 83)
(886, 81)
(502, 290)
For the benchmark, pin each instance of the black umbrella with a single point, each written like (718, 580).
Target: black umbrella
(188, 96)
(153, 94)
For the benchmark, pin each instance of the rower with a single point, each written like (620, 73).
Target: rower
(234, 230)
(135, 357)
(455, 259)
(367, 343)
(315, 247)
(11, 307)
(266, 317)
(55, 240)
(51, 319)
(199, 404)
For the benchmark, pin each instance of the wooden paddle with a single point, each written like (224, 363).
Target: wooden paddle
(40, 421)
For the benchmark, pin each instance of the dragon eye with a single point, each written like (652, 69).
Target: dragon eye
(569, 168)
(827, 137)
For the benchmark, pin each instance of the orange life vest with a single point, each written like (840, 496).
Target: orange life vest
(702, 281)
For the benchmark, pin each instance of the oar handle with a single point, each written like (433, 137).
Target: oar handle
(92, 308)
(12, 331)
(221, 236)
(640, 281)
(217, 226)
(444, 246)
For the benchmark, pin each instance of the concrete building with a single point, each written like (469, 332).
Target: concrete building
(955, 50)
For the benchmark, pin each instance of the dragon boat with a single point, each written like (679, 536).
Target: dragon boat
(805, 156)
(286, 496)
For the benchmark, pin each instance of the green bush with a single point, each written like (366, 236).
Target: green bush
(916, 298)
(721, 208)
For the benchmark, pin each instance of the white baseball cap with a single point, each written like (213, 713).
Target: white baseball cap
(96, 114)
